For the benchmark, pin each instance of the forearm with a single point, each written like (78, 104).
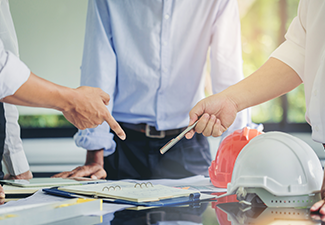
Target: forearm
(39, 92)
(95, 156)
(271, 80)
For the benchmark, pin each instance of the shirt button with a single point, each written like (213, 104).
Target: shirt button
(315, 92)
(164, 43)
(316, 128)
(166, 16)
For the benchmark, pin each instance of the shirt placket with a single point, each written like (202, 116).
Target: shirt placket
(164, 60)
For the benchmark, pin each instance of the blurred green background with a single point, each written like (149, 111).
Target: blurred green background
(263, 29)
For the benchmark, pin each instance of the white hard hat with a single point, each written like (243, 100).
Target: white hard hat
(282, 170)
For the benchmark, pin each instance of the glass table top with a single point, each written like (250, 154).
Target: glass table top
(212, 213)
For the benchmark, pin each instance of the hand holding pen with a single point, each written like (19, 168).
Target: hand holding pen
(211, 116)
(214, 114)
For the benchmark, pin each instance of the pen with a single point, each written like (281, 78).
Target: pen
(172, 142)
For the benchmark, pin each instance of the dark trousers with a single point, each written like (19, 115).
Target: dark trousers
(138, 157)
(2, 135)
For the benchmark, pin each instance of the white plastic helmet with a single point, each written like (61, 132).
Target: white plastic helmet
(282, 170)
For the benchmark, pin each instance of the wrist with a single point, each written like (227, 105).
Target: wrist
(95, 156)
(239, 95)
(230, 96)
(66, 99)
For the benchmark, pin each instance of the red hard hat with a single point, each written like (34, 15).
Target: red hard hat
(221, 168)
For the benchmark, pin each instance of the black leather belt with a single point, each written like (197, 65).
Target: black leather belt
(150, 131)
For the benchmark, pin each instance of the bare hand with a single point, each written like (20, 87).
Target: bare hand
(84, 107)
(319, 207)
(89, 110)
(25, 175)
(215, 114)
(93, 170)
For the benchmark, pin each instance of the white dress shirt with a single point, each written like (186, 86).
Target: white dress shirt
(304, 51)
(13, 73)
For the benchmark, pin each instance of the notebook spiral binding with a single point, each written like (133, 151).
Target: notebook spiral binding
(112, 187)
(118, 187)
(143, 184)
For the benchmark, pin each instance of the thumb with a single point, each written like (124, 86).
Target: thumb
(196, 112)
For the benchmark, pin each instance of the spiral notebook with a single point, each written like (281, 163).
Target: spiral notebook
(140, 194)
(135, 192)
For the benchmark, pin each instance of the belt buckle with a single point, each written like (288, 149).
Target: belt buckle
(148, 134)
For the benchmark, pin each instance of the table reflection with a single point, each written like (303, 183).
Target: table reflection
(164, 215)
(237, 214)
(232, 213)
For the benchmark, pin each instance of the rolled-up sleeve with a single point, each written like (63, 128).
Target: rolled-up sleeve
(13, 72)
(96, 138)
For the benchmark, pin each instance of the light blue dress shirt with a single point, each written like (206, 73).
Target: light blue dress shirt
(149, 56)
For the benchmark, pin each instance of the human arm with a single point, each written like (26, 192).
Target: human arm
(281, 73)
(93, 167)
(84, 107)
(217, 112)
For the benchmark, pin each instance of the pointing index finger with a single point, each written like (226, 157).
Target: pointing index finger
(115, 127)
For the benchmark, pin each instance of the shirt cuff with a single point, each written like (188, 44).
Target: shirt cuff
(16, 163)
(95, 139)
(292, 55)
(13, 74)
